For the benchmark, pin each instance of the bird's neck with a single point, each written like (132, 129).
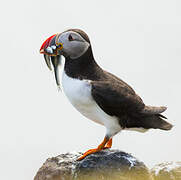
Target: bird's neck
(84, 67)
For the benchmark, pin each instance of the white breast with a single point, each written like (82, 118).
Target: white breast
(79, 94)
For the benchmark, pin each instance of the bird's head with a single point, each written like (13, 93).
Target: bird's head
(72, 44)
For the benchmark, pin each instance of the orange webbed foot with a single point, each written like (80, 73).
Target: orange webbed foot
(108, 145)
(91, 151)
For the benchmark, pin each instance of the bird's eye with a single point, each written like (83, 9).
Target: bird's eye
(70, 38)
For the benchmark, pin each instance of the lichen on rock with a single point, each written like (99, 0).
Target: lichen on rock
(167, 171)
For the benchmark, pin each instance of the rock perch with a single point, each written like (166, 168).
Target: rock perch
(106, 164)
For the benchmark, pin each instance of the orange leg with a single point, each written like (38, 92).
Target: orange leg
(99, 148)
(109, 144)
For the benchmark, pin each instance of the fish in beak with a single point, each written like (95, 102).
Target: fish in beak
(52, 55)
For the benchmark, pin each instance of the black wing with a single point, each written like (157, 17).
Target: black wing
(116, 98)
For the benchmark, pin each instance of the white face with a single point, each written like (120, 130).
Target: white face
(74, 45)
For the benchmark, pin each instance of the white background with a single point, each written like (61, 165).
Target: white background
(139, 41)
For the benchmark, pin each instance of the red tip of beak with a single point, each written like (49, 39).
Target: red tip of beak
(46, 43)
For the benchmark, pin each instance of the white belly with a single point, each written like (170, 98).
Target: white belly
(79, 94)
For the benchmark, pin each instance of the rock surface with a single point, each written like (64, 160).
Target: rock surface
(107, 164)
(167, 171)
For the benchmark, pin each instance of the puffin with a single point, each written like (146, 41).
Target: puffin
(97, 94)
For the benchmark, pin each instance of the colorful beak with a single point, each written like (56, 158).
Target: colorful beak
(50, 51)
(45, 47)
(48, 48)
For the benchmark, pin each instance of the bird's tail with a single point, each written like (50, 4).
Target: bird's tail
(153, 110)
(153, 118)
(157, 121)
